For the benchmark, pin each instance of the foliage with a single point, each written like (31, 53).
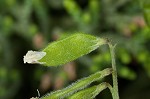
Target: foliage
(90, 93)
(32, 24)
(79, 85)
(69, 49)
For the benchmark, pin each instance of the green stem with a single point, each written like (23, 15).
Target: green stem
(115, 93)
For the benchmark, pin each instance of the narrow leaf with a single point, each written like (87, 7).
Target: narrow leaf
(79, 85)
(89, 93)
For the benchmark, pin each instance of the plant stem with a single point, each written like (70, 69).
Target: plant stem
(115, 93)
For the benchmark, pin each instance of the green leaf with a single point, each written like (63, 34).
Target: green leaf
(89, 93)
(79, 85)
(70, 48)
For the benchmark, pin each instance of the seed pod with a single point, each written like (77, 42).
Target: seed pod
(66, 50)
(70, 48)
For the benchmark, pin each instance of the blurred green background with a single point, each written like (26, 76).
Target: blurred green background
(32, 24)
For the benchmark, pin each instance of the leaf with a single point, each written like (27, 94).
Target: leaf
(79, 85)
(89, 93)
(70, 48)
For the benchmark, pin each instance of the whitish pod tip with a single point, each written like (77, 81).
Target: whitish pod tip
(33, 57)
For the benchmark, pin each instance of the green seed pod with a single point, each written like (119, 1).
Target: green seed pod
(70, 48)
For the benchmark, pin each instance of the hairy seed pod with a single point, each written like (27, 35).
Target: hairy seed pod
(70, 48)
(66, 50)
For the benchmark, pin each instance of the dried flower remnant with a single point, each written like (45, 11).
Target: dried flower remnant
(33, 57)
